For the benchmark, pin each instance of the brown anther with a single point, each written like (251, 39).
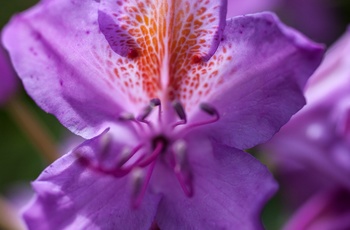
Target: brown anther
(126, 117)
(180, 111)
(155, 102)
(138, 177)
(145, 113)
(208, 109)
(180, 153)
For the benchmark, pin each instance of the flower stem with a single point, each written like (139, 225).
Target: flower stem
(33, 129)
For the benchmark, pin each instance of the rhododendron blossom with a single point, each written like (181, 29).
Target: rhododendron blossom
(168, 93)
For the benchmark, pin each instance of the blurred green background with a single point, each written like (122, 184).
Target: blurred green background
(20, 161)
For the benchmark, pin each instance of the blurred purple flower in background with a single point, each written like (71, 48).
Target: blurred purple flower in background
(202, 92)
(8, 79)
(241, 7)
(315, 18)
(312, 152)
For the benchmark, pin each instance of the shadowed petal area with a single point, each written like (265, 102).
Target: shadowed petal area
(256, 78)
(8, 78)
(328, 209)
(73, 196)
(230, 189)
(65, 64)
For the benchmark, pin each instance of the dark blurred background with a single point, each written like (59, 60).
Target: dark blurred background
(20, 160)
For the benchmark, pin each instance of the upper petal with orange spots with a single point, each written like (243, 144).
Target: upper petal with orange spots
(160, 41)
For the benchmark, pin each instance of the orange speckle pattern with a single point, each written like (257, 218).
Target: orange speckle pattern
(204, 78)
(169, 42)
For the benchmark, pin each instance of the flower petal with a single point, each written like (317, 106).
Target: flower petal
(230, 189)
(164, 36)
(66, 63)
(255, 79)
(73, 196)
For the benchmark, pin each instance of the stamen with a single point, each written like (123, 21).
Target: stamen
(185, 181)
(210, 110)
(126, 117)
(156, 102)
(105, 144)
(140, 185)
(130, 117)
(180, 149)
(137, 177)
(179, 109)
(181, 168)
(118, 171)
(145, 113)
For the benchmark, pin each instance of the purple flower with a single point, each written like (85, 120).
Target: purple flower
(7, 77)
(313, 149)
(174, 96)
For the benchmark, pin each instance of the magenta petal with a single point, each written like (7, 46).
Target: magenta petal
(73, 196)
(230, 189)
(262, 67)
(59, 53)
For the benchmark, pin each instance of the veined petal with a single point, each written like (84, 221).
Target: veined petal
(230, 189)
(165, 37)
(70, 195)
(255, 79)
(66, 64)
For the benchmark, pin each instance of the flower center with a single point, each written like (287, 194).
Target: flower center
(157, 140)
